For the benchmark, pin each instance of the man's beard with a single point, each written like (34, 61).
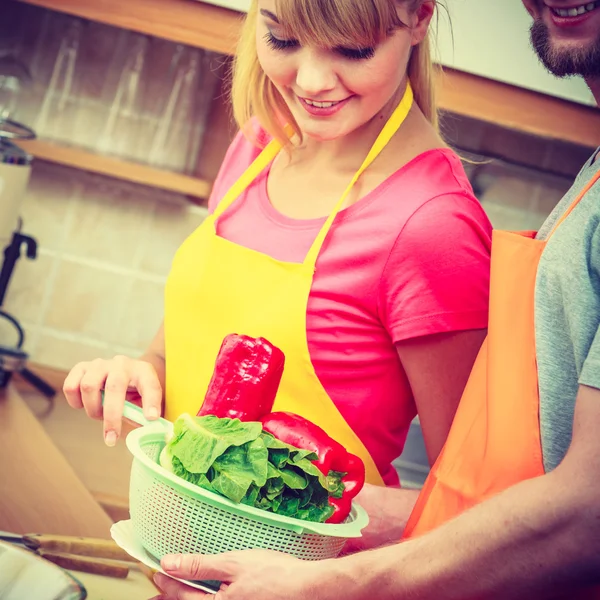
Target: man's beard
(562, 63)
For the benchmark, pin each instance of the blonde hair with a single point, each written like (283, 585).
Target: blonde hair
(328, 24)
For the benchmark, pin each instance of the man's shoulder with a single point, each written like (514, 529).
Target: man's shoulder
(586, 185)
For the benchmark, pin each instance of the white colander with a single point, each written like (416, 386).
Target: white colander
(172, 516)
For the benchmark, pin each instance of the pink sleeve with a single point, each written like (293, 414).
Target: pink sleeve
(239, 156)
(437, 276)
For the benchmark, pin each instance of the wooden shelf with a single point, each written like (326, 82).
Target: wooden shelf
(203, 25)
(516, 108)
(189, 22)
(115, 167)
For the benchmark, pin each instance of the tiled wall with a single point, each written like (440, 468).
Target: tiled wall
(105, 247)
(96, 288)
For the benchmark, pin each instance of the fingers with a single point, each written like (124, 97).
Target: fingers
(115, 389)
(91, 386)
(175, 590)
(148, 385)
(85, 383)
(72, 385)
(221, 567)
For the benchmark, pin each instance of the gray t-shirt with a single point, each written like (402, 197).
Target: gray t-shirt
(567, 313)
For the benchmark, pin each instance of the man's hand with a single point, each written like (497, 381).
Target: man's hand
(388, 509)
(249, 575)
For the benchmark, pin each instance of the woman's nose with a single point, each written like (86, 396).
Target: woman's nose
(315, 75)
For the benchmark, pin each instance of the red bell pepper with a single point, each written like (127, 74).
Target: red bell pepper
(341, 509)
(245, 379)
(332, 456)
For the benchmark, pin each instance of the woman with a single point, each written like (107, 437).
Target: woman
(371, 276)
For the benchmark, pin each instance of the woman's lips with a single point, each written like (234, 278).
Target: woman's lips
(322, 108)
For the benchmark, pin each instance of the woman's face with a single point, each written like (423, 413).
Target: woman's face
(331, 92)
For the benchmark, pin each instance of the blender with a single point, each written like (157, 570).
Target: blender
(15, 169)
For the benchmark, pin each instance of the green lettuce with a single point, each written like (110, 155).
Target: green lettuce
(247, 465)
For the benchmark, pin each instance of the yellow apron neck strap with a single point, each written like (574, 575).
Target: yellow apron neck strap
(387, 133)
(250, 174)
(273, 148)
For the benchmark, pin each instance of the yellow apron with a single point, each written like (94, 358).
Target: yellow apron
(217, 287)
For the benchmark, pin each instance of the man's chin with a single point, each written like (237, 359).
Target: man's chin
(565, 59)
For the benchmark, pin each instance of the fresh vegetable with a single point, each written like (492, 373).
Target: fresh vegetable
(332, 457)
(292, 467)
(245, 379)
(246, 464)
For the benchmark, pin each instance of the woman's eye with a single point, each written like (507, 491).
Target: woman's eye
(279, 44)
(357, 53)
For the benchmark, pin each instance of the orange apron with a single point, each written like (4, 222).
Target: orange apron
(494, 442)
(217, 287)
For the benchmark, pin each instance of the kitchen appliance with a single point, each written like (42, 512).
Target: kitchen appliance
(15, 169)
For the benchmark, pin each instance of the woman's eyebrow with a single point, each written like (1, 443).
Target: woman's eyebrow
(269, 15)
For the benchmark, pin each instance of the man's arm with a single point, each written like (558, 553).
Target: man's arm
(537, 539)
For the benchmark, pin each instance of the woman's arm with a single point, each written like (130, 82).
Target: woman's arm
(437, 367)
(155, 355)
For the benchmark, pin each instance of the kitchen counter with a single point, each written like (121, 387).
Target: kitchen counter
(104, 471)
(40, 492)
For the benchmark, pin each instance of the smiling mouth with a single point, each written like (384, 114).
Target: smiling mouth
(321, 104)
(576, 11)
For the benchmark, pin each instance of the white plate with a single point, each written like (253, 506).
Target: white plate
(122, 533)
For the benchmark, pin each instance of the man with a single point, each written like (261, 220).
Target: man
(512, 507)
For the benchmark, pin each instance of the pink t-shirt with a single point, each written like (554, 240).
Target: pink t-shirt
(409, 259)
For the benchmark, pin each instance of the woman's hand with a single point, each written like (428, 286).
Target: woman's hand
(249, 575)
(121, 378)
(388, 509)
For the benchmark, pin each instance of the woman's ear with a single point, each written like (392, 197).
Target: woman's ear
(422, 21)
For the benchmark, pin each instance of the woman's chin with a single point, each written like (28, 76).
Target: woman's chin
(323, 133)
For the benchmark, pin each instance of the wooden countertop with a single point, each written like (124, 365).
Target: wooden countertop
(41, 493)
(104, 471)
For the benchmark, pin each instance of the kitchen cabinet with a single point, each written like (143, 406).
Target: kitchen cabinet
(195, 24)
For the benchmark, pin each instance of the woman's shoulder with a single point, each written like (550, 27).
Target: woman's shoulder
(430, 179)
(439, 170)
(427, 197)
